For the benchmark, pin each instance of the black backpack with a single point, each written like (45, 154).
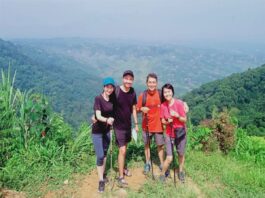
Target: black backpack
(117, 92)
(145, 96)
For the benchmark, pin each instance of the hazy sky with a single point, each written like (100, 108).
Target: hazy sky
(147, 20)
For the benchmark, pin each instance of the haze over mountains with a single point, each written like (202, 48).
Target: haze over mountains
(70, 70)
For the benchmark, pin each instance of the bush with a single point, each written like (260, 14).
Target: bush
(223, 131)
(250, 148)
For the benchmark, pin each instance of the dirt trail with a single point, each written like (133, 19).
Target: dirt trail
(195, 188)
(11, 194)
(87, 187)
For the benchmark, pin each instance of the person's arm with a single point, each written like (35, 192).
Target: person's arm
(176, 115)
(180, 115)
(186, 107)
(182, 118)
(101, 118)
(135, 118)
(93, 119)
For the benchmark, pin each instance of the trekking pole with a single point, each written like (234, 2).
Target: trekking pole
(111, 167)
(172, 148)
(149, 142)
(111, 161)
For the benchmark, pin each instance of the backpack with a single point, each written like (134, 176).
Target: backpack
(117, 91)
(145, 96)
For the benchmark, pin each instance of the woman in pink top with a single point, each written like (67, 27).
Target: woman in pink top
(173, 116)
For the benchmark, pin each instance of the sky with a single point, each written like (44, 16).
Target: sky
(144, 20)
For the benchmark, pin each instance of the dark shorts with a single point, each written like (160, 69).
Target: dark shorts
(159, 138)
(123, 137)
(179, 143)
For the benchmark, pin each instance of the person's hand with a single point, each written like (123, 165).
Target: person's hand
(145, 109)
(169, 120)
(164, 121)
(93, 119)
(110, 121)
(174, 114)
(136, 128)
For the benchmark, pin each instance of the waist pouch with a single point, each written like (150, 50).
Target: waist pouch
(180, 133)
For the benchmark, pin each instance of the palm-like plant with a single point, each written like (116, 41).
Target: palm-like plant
(8, 103)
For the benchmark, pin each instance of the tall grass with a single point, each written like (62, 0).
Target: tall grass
(36, 144)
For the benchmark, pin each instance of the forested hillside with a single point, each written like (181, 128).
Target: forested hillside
(69, 89)
(244, 91)
(69, 71)
(185, 67)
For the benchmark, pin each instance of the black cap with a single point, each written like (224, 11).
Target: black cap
(128, 72)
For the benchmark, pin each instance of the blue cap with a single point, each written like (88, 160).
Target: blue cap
(108, 81)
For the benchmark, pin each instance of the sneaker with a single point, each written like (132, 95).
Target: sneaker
(181, 176)
(101, 186)
(162, 178)
(121, 182)
(127, 173)
(147, 168)
(167, 173)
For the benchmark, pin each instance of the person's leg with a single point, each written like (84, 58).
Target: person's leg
(181, 145)
(121, 159)
(160, 141)
(146, 148)
(127, 140)
(106, 143)
(121, 142)
(160, 151)
(169, 157)
(181, 159)
(98, 145)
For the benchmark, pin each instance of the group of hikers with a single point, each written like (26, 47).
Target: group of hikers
(162, 113)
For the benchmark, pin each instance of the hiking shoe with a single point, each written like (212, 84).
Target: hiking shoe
(181, 176)
(162, 178)
(167, 173)
(101, 186)
(147, 168)
(127, 173)
(122, 183)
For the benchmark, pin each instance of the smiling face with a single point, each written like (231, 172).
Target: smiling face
(168, 94)
(127, 81)
(108, 89)
(151, 84)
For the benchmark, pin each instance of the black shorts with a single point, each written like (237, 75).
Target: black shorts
(123, 137)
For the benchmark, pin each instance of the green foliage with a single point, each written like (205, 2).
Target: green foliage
(70, 89)
(250, 148)
(215, 134)
(36, 144)
(8, 129)
(220, 175)
(211, 175)
(244, 91)
(199, 137)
